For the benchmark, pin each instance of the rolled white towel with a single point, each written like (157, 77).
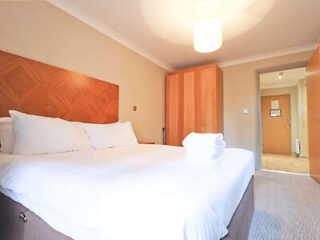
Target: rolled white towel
(203, 139)
(203, 147)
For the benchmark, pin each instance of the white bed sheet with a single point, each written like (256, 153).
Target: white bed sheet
(138, 192)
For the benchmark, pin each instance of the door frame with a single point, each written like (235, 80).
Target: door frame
(289, 115)
(258, 100)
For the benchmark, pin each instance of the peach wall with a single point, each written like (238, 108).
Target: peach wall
(40, 31)
(302, 117)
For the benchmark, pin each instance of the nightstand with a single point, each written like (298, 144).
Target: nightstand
(143, 142)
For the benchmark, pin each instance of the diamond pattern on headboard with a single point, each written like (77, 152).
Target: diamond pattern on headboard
(37, 88)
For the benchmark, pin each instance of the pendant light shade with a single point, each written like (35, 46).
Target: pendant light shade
(207, 35)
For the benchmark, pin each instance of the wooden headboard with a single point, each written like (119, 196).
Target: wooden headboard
(37, 88)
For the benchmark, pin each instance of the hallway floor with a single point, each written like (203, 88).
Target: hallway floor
(285, 162)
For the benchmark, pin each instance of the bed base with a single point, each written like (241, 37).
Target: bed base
(18, 223)
(239, 226)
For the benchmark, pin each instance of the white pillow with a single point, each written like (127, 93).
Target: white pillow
(41, 135)
(124, 134)
(100, 135)
(6, 135)
(110, 135)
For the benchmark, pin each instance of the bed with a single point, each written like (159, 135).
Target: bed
(18, 222)
(131, 192)
(147, 190)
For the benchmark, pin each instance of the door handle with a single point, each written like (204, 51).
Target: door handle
(317, 118)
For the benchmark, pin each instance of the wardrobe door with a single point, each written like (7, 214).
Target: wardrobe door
(209, 100)
(174, 109)
(219, 100)
(189, 103)
(313, 106)
(206, 121)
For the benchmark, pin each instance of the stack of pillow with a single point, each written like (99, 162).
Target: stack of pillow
(30, 134)
(204, 147)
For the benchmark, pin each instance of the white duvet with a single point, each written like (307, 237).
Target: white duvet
(141, 192)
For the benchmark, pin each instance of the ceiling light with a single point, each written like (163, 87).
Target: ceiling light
(207, 35)
(280, 75)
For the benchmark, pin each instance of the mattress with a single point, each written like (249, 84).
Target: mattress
(134, 192)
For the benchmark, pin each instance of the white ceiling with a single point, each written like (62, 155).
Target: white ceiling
(161, 30)
(290, 78)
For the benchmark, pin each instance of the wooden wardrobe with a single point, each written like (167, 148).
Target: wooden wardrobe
(313, 106)
(194, 102)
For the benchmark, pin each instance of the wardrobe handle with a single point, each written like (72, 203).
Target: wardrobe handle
(316, 118)
(23, 217)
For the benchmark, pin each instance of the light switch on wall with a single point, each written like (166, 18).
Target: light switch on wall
(245, 111)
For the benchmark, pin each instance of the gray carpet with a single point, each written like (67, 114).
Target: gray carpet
(286, 207)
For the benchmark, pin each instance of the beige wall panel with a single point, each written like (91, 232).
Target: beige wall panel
(40, 31)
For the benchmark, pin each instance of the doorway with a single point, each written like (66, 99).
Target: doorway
(284, 120)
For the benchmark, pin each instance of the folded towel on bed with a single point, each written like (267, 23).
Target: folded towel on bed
(203, 139)
(203, 147)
